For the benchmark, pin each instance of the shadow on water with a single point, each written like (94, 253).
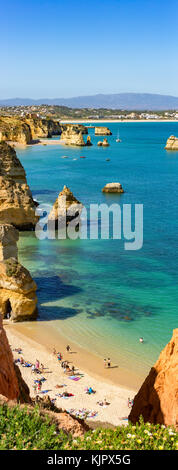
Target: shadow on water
(50, 289)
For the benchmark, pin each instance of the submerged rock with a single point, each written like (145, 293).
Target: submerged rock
(66, 202)
(113, 188)
(16, 202)
(157, 399)
(172, 143)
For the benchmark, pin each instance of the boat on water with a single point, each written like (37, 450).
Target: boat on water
(118, 138)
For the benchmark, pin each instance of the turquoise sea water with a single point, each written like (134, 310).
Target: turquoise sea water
(93, 291)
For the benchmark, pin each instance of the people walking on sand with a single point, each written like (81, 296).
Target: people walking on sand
(68, 348)
(104, 362)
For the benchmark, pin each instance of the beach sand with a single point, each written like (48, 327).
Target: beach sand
(117, 395)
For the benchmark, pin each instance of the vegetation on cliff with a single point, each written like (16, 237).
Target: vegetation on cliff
(30, 429)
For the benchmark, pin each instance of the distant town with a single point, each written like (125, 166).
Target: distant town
(63, 113)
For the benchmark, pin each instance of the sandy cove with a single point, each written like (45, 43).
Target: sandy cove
(115, 413)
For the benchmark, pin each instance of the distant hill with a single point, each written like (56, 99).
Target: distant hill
(124, 101)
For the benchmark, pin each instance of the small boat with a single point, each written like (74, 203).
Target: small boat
(118, 140)
(82, 157)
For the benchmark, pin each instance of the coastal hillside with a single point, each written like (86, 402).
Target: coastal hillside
(127, 101)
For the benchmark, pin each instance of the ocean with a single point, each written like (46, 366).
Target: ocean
(97, 294)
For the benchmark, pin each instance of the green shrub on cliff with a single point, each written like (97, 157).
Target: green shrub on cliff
(24, 428)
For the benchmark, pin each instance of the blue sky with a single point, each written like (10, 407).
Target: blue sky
(65, 48)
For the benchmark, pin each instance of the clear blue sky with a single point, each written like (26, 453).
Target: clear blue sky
(65, 48)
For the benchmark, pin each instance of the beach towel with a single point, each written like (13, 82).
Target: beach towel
(45, 391)
(73, 377)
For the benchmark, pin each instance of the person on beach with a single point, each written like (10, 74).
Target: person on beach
(68, 349)
(37, 365)
(104, 362)
(54, 352)
(109, 362)
(39, 386)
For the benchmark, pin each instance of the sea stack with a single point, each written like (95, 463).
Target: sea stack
(18, 300)
(65, 209)
(102, 131)
(103, 143)
(73, 135)
(16, 203)
(113, 188)
(172, 143)
(157, 399)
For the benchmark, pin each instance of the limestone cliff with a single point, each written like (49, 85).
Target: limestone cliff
(65, 203)
(16, 203)
(25, 130)
(15, 130)
(172, 143)
(101, 130)
(18, 299)
(8, 380)
(12, 385)
(157, 399)
(72, 134)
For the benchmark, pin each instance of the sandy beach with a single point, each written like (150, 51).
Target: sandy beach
(115, 413)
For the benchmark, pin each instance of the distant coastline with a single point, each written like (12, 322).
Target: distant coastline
(63, 121)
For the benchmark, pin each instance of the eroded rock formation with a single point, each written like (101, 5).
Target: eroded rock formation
(43, 128)
(16, 203)
(18, 300)
(103, 143)
(15, 129)
(113, 188)
(65, 209)
(157, 399)
(25, 130)
(101, 130)
(172, 143)
(8, 379)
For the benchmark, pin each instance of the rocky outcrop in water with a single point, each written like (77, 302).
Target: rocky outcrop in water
(18, 300)
(65, 203)
(42, 128)
(157, 399)
(172, 143)
(102, 131)
(72, 135)
(113, 188)
(16, 203)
